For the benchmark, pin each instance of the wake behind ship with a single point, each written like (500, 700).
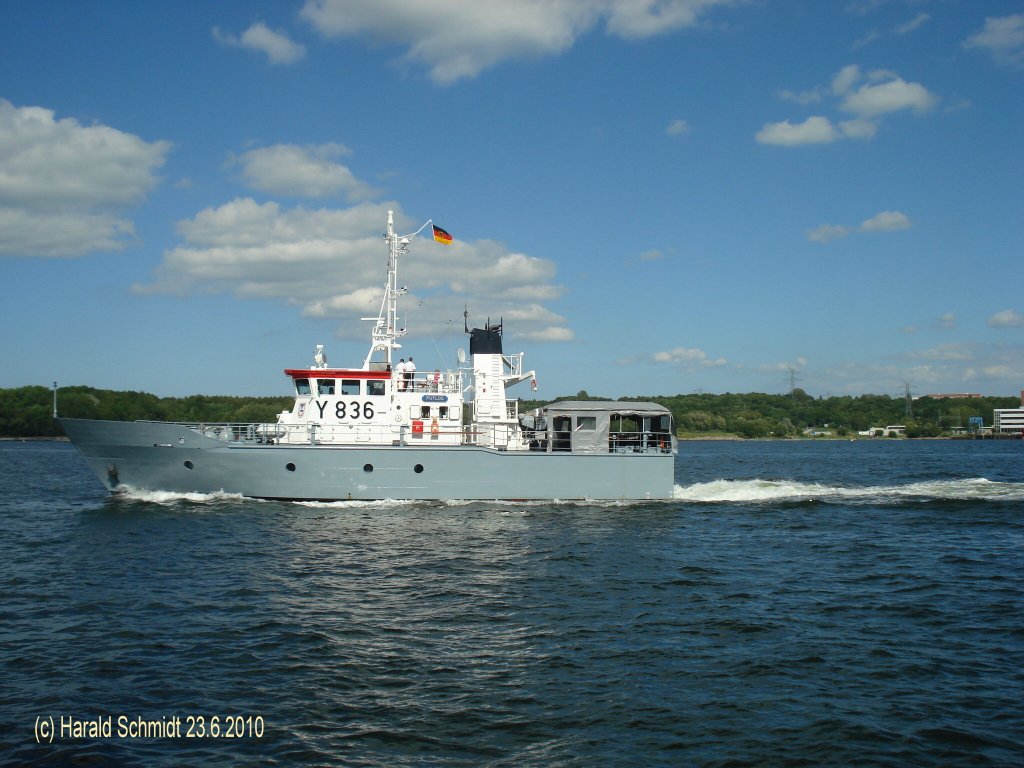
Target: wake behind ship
(382, 431)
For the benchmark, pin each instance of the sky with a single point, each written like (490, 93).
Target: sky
(655, 197)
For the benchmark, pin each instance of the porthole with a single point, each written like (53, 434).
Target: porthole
(188, 465)
(418, 468)
(290, 467)
(367, 467)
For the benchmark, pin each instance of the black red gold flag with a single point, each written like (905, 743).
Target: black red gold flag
(441, 236)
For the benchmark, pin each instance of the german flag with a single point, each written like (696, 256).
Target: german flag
(442, 237)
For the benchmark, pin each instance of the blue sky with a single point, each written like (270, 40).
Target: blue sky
(657, 196)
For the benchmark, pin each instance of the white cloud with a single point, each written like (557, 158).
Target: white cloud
(330, 262)
(991, 372)
(900, 29)
(63, 185)
(858, 129)
(827, 232)
(678, 128)
(991, 368)
(949, 352)
(688, 357)
(549, 334)
(915, 23)
(871, 101)
(800, 362)
(1008, 318)
(882, 94)
(869, 37)
(946, 321)
(813, 130)
(633, 19)
(801, 97)
(276, 45)
(458, 39)
(886, 221)
(1003, 38)
(302, 171)
(844, 79)
(37, 233)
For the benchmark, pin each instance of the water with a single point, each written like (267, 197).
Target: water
(797, 604)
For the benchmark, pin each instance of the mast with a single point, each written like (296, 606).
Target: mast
(385, 329)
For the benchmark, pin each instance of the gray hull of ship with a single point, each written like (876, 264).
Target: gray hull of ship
(172, 457)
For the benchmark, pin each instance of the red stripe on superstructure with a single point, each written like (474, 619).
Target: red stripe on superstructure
(334, 373)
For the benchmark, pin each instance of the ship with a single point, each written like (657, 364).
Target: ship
(381, 431)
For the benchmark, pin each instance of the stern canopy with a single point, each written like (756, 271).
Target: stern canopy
(594, 426)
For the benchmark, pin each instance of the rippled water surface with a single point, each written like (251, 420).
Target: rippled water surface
(797, 603)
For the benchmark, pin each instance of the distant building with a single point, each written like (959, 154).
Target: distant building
(893, 430)
(1009, 419)
(954, 396)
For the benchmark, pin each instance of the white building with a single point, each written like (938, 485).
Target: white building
(1009, 419)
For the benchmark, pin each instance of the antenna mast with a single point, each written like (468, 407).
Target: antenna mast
(385, 329)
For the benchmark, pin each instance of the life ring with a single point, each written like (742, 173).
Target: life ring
(434, 428)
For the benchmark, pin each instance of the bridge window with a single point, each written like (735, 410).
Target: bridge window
(374, 387)
(442, 412)
(425, 412)
(325, 386)
(350, 386)
(302, 387)
(588, 423)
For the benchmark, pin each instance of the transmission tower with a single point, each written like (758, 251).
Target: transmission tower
(792, 380)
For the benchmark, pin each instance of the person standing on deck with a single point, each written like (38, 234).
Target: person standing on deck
(400, 370)
(410, 372)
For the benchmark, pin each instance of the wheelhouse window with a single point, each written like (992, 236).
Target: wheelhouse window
(588, 423)
(325, 386)
(350, 386)
(374, 387)
(302, 387)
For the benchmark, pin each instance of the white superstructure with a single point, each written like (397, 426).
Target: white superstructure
(381, 403)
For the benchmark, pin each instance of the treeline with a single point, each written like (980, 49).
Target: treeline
(759, 415)
(28, 411)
